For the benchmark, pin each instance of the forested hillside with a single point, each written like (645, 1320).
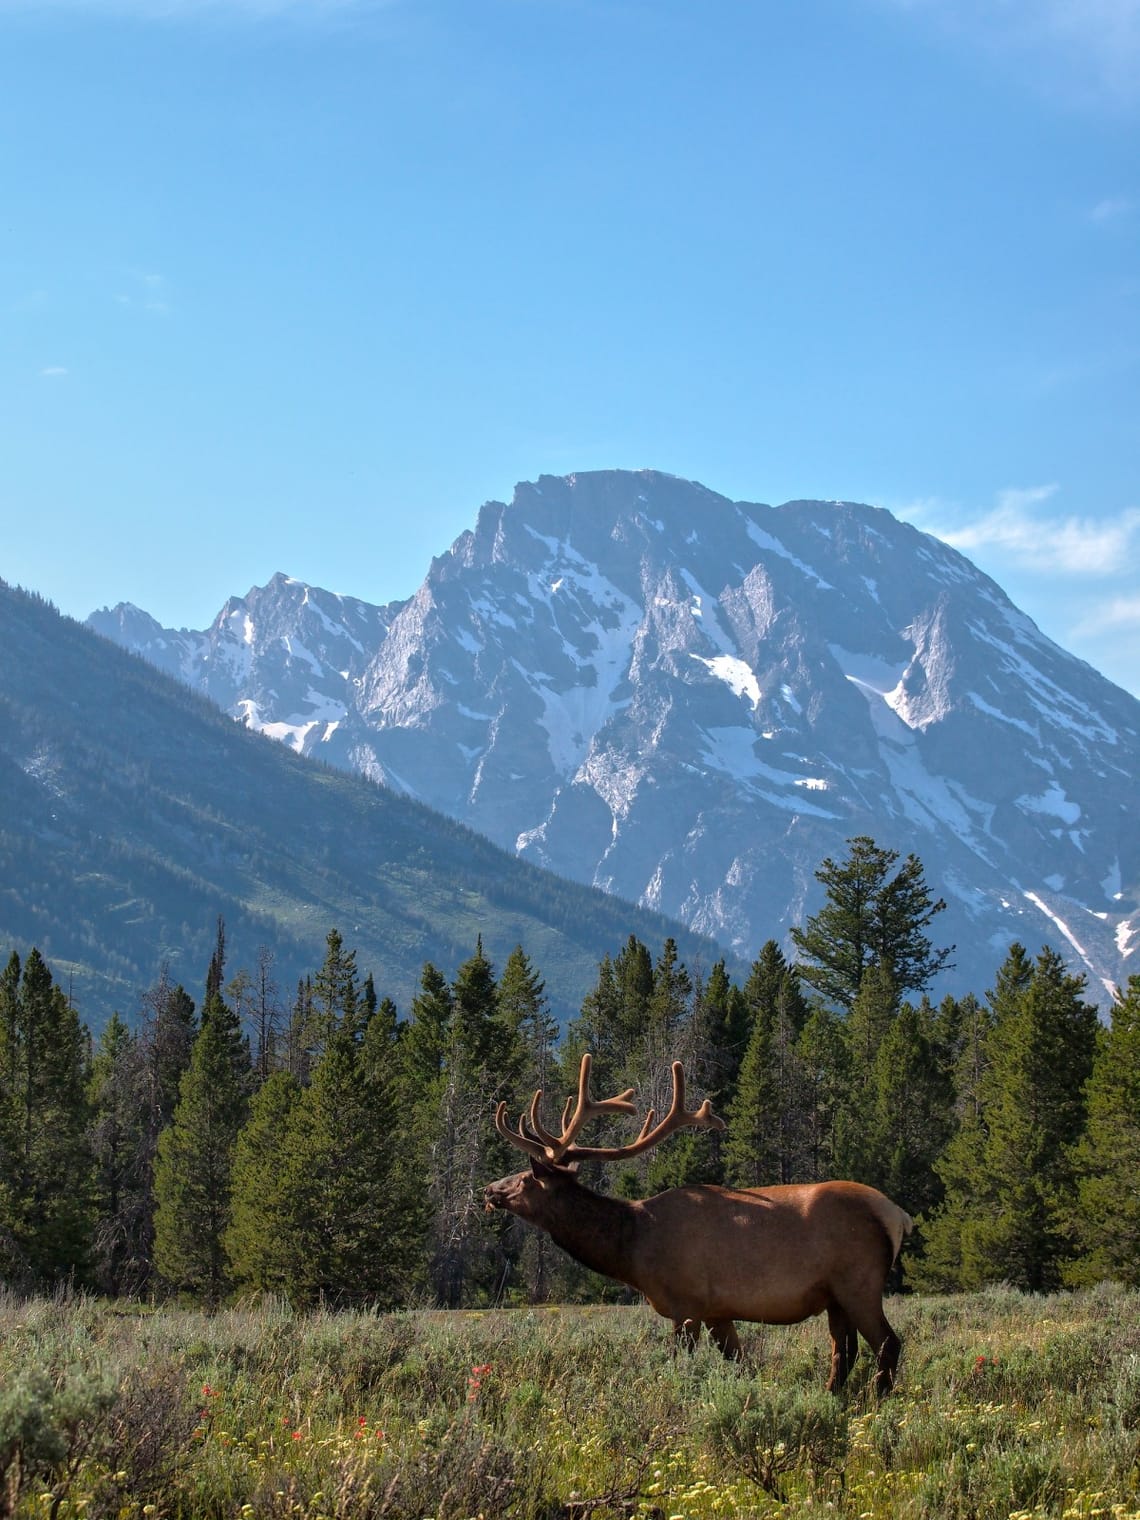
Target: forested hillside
(132, 813)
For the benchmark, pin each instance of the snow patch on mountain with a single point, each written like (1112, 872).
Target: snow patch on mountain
(1067, 933)
(766, 541)
(736, 675)
(1053, 802)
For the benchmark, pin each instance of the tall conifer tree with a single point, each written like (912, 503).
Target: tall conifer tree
(45, 1052)
(123, 1157)
(871, 917)
(760, 1144)
(1009, 1201)
(194, 1163)
(1107, 1156)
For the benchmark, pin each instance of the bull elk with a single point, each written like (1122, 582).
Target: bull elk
(708, 1255)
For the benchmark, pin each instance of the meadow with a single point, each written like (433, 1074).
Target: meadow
(1008, 1406)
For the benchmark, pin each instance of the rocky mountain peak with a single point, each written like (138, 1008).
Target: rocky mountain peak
(691, 701)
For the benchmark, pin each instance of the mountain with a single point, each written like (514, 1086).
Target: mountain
(133, 812)
(690, 702)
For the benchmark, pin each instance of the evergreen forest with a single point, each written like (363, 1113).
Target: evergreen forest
(321, 1146)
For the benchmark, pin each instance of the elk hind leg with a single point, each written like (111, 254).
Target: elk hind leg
(723, 1332)
(844, 1346)
(875, 1329)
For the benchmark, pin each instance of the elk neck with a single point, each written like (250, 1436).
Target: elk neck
(597, 1231)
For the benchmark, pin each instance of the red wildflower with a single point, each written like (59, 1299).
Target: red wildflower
(298, 1435)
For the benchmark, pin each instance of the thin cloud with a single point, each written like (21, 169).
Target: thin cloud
(147, 292)
(1109, 209)
(54, 371)
(1086, 48)
(1072, 545)
(1118, 615)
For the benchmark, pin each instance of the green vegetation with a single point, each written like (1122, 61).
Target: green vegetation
(1008, 1405)
(338, 1154)
(272, 1165)
(229, 1178)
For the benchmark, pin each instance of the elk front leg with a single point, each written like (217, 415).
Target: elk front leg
(723, 1332)
(686, 1333)
(844, 1346)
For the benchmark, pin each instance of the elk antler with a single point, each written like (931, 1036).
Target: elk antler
(555, 1149)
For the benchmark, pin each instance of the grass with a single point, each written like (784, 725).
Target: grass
(1007, 1406)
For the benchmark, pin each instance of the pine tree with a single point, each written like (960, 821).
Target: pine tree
(169, 1026)
(722, 1025)
(470, 1255)
(123, 1155)
(480, 1040)
(298, 1058)
(1107, 1156)
(870, 918)
(822, 1053)
(215, 975)
(524, 1011)
(764, 1139)
(1008, 1202)
(613, 1020)
(909, 1118)
(338, 1189)
(943, 1241)
(14, 1265)
(423, 1049)
(259, 1240)
(46, 1186)
(336, 995)
(668, 1006)
(158, 1062)
(872, 1015)
(752, 1146)
(194, 1162)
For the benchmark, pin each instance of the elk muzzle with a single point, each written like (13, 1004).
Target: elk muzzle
(493, 1197)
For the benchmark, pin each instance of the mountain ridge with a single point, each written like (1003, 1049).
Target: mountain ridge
(690, 701)
(133, 812)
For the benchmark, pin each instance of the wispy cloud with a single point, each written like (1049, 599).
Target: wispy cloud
(1110, 208)
(145, 292)
(1118, 614)
(1090, 48)
(54, 371)
(1021, 528)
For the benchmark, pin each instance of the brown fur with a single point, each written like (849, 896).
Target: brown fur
(712, 1255)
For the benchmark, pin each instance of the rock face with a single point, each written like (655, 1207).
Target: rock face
(691, 701)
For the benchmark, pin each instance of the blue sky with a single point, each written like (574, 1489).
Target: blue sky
(297, 284)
